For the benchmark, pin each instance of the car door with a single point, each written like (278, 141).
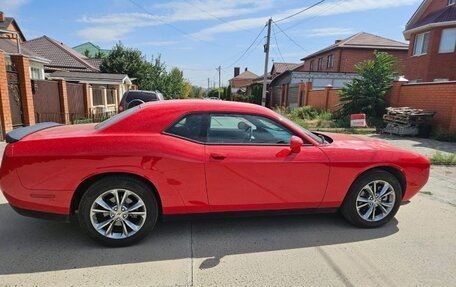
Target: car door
(249, 166)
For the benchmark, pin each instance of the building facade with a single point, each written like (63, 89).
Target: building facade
(432, 49)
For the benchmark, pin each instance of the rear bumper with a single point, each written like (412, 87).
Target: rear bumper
(42, 201)
(42, 215)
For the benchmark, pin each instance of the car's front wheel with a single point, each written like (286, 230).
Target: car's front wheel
(118, 211)
(373, 199)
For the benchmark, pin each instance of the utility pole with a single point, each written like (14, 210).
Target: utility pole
(266, 60)
(208, 84)
(219, 69)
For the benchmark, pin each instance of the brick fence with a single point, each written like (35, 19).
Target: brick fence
(439, 97)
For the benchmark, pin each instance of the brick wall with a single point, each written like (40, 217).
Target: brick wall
(346, 59)
(327, 99)
(5, 111)
(21, 63)
(432, 65)
(438, 97)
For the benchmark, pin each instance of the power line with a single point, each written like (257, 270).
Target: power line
(216, 17)
(170, 25)
(330, 6)
(291, 39)
(245, 52)
(278, 48)
(301, 11)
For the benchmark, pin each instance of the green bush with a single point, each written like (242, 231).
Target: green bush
(305, 112)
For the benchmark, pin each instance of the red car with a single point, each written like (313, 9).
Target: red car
(200, 157)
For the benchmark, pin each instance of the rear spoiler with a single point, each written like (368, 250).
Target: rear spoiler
(20, 133)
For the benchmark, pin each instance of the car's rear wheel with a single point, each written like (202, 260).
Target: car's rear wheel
(373, 199)
(118, 211)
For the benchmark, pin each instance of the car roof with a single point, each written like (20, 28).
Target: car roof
(197, 105)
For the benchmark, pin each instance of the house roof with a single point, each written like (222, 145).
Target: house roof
(10, 47)
(95, 78)
(446, 14)
(9, 20)
(246, 75)
(62, 57)
(91, 47)
(363, 40)
(96, 62)
(282, 67)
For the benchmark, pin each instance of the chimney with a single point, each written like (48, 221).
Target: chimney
(246, 69)
(236, 71)
(2, 17)
(338, 41)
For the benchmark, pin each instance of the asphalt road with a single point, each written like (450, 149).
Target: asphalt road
(416, 248)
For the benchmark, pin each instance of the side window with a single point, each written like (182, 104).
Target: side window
(246, 129)
(190, 127)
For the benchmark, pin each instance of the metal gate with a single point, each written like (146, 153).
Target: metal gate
(15, 99)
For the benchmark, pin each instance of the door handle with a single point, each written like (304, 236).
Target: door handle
(218, 156)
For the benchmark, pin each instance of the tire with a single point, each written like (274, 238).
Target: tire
(99, 207)
(359, 207)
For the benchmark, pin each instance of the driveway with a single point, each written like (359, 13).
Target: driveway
(416, 248)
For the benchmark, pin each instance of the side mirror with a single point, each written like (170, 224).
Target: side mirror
(295, 144)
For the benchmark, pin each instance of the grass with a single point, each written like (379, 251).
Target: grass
(313, 119)
(439, 158)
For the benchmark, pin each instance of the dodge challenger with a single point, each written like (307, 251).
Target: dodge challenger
(196, 157)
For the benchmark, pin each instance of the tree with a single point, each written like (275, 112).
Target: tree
(366, 94)
(150, 75)
(123, 60)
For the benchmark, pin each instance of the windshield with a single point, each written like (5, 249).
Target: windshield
(307, 132)
(117, 118)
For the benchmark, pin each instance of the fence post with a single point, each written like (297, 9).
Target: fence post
(306, 93)
(327, 89)
(5, 111)
(87, 98)
(301, 93)
(22, 65)
(104, 97)
(63, 94)
(116, 99)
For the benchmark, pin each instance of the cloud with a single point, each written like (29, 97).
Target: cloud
(325, 9)
(117, 25)
(103, 34)
(10, 7)
(324, 32)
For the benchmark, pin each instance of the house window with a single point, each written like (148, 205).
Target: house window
(320, 64)
(448, 41)
(421, 44)
(312, 65)
(451, 2)
(330, 63)
(35, 73)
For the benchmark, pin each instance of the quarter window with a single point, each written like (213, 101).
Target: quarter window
(246, 129)
(190, 127)
(448, 41)
(421, 44)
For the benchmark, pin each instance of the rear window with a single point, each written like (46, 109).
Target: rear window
(144, 96)
(115, 119)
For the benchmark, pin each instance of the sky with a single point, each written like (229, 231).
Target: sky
(197, 36)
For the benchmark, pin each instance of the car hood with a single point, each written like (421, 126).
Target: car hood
(358, 142)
